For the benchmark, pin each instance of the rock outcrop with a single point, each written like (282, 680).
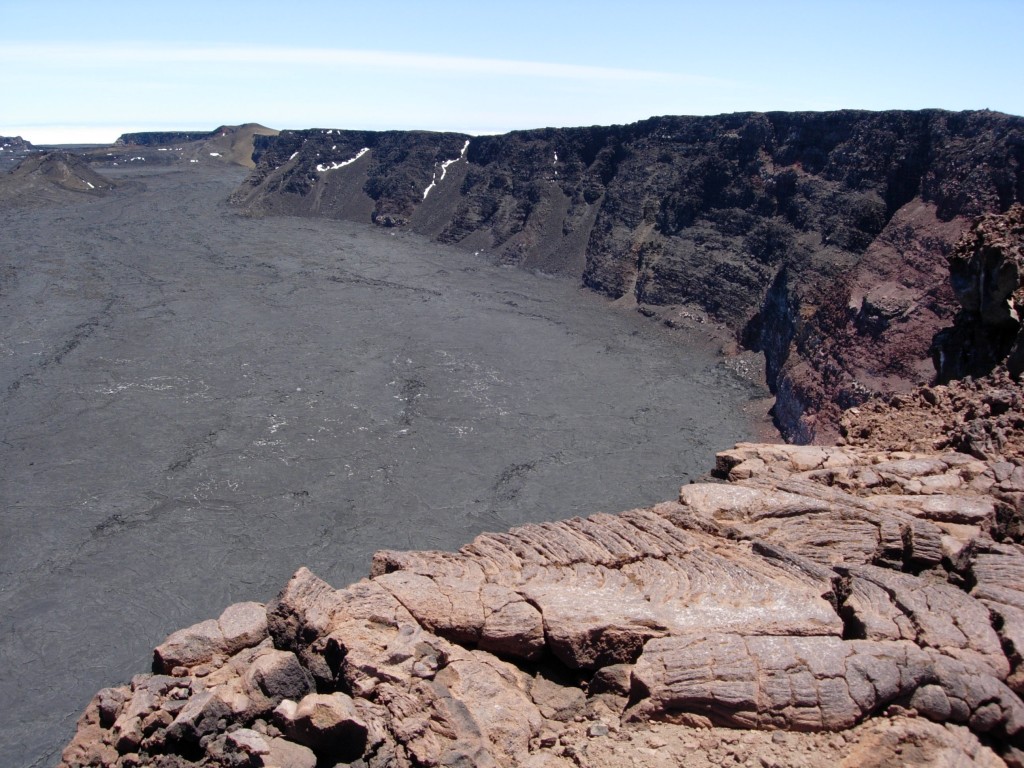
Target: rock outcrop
(816, 591)
(818, 238)
(49, 176)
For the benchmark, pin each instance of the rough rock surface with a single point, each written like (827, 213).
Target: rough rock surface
(819, 238)
(822, 605)
(983, 417)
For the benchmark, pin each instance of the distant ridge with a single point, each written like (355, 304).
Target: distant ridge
(14, 144)
(160, 138)
(229, 143)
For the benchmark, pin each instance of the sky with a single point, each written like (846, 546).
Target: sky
(81, 71)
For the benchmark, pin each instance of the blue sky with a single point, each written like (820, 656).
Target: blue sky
(88, 71)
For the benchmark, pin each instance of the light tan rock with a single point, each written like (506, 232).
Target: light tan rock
(327, 723)
(189, 647)
(243, 625)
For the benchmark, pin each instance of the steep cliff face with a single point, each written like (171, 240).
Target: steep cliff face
(819, 238)
(987, 276)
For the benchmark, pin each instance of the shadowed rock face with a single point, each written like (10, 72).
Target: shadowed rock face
(819, 238)
(813, 591)
(986, 275)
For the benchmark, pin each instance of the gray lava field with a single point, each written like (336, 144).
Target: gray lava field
(196, 403)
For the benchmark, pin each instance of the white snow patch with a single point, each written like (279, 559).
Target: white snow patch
(191, 161)
(336, 166)
(215, 154)
(91, 186)
(556, 157)
(161, 149)
(294, 155)
(444, 169)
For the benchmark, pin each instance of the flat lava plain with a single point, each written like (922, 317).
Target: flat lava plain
(196, 403)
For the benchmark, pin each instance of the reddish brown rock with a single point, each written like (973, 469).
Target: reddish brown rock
(327, 723)
(815, 591)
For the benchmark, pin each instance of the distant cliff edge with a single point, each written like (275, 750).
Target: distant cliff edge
(818, 238)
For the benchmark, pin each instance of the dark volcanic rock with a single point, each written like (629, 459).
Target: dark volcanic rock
(819, 238)
(161, 138)
(49, 176)
(13, 150)
(14, 144)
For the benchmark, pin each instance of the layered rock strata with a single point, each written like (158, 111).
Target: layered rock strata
(818, 238)
(856, 603)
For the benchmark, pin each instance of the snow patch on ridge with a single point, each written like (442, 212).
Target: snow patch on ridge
(444, 169)
(335, 166)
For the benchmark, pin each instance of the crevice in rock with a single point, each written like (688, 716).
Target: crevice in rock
(334, 656)
(853, 627)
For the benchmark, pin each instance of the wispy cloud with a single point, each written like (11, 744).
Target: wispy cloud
(103, 54)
